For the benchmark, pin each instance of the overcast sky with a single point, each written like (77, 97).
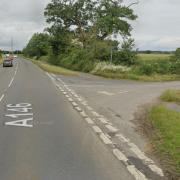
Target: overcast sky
(157, 28)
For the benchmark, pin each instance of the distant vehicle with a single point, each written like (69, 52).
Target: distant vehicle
(15, 56)
(7, 63)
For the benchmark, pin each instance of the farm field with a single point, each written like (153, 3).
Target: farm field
(153, 57)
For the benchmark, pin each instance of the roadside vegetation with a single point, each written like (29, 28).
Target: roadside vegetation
(171, 96)
(162, 125)
(52, 68)
(1, 58)
(84, 35)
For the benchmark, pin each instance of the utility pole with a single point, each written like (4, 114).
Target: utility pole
(12, 45)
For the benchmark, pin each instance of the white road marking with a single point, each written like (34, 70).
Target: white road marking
(131, 168)
(70, 99)
(106, 93)
(111, 94)
(11, 82)
(97, 129)
(103, 120)
(78, 109)
(2, 97)
(136, 173)
(111, 128)
(141, 155)
(24, 109)
(20, 123)
(83, 114)
(89, 108)
(89, 121)
(74, 104)
(105, 139)
(95, 114)
(120, 155)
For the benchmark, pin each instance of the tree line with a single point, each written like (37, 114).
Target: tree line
(80, 33)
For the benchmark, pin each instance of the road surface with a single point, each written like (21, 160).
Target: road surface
(42, 137)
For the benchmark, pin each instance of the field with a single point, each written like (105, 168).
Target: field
(153, 57)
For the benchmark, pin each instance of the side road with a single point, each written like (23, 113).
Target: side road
(112, 104)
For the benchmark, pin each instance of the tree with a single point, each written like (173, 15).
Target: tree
(71, 16)
(38, 45)
(113, 18)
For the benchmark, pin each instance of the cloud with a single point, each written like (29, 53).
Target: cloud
(158, 24)
(20, 19)
(157, 28)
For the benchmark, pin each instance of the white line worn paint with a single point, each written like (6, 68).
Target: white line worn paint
(83, 114)
(74, 104)
(105, 139)
(2, 97)
(95, 114)
(136, 173)
(11, 82)
(89, 121)
(97, 129)
(103, 120)
(78, 109)
(149, 162)
(111, 128)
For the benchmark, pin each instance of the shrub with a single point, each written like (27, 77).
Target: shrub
(78, 59)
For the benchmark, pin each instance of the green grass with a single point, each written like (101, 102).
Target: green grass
(54, 69)
(133, 76)
(171, 96)
(1, 60)
(153, 57)
(166, 137)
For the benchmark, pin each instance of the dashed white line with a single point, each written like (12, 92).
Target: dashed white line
(11, 82)
(97, 129)
(105, 139)
(1, 98)
(149, 162)
(89, 121)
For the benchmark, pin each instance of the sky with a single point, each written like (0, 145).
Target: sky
(157, 26)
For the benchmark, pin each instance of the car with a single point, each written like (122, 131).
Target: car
(7, 63)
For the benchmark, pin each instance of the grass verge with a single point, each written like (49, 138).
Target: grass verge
(166, 137)
(53, 69)
(1, 60)
(131, 76)
(162, 126)
(171, 96)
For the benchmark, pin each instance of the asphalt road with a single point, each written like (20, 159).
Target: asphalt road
(42, 137)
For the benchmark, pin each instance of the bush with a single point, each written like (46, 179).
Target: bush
(159, 67)
(78, 59)
(175, 68)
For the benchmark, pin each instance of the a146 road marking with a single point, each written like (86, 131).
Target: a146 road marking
(20, 115)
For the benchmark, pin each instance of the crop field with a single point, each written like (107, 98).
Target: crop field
(153, 57)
